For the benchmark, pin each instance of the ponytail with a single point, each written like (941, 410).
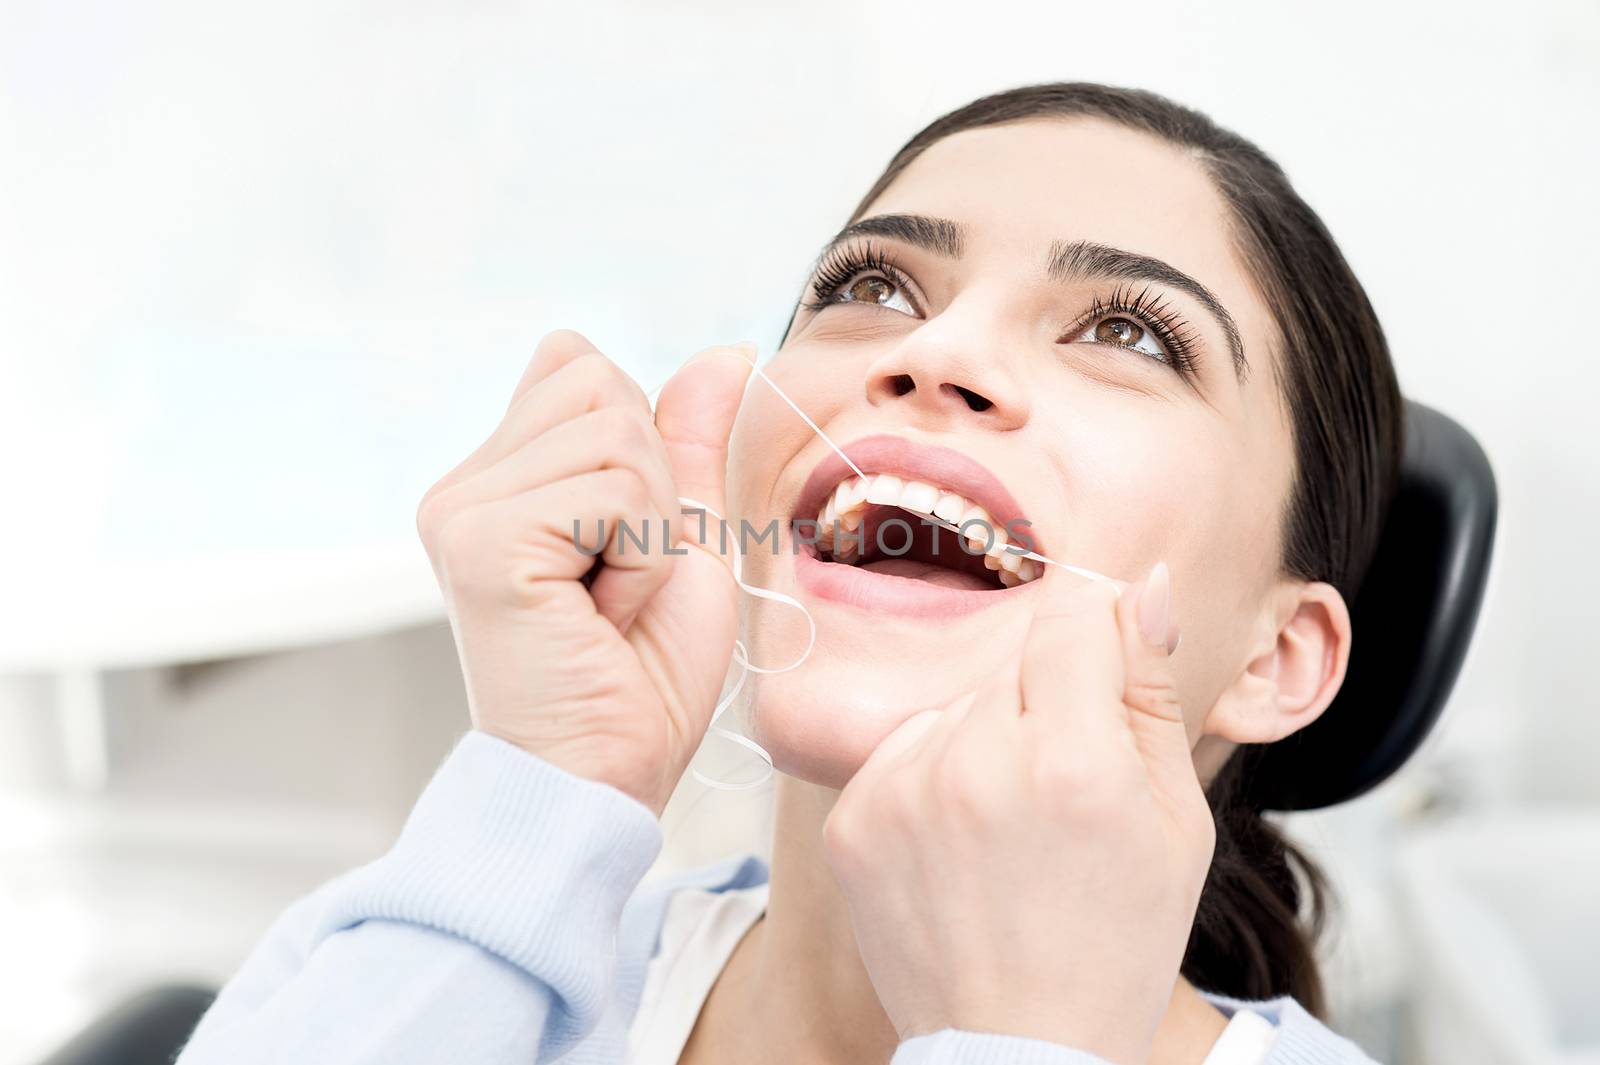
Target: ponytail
(1250, 938)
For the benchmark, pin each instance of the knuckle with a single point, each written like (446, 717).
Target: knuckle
(1064, 772)
(625, 429)
(459, 550)
(899, 803)
(632, 495)
(1157, 696)
(607, 383)
(432, 515)
(562, 338)
(839, 837)
(593, 369)
(1075, 783)
(962, 791)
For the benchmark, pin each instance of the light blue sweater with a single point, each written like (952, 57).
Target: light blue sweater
(508, 925)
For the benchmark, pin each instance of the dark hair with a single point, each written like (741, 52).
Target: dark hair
(1257, 927)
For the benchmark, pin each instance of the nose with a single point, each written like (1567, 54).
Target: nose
(941, 380)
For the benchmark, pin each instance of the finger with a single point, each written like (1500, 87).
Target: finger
(585, 382)
(1072, 668)
(555, 350)
(910, 740)
(633, 572)
(611, 437)
(553, 534)
(1150, 691)
(695, 415)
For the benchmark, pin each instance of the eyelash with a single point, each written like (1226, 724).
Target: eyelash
(841, 266)
(1148, 308)
(1153, 311)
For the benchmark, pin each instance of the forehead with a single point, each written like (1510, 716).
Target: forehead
(1019, 186)
(1022, 184)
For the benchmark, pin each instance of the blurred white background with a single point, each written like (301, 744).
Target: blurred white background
(267, 271)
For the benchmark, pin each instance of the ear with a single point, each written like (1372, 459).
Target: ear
(1294, 674)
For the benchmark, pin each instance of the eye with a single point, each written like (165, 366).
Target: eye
(1144, 321)
(870, 288)
(861, 274)
(1123, 332)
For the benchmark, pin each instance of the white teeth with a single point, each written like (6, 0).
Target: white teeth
(919, 497)
(950, 508)
(885, 489)
(998, 549)
(977, 514)
(846, 509)
(977, 531)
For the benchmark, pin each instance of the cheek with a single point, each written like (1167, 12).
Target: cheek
(1179, 490)
(1141, 489)
(761, 442)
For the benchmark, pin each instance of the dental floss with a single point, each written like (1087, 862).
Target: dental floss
(741, 654)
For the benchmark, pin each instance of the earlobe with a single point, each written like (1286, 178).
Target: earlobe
(1291, 681)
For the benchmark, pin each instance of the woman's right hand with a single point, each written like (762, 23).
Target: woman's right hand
(615, 678)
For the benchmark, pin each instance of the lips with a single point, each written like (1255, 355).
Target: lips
(947, 468)
(912, 480)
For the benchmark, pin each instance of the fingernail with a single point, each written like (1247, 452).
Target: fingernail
(1154, 605)
(1174, 637)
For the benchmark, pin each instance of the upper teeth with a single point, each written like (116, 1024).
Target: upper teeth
(848, 504)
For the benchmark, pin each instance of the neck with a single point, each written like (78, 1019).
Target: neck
(796, 985)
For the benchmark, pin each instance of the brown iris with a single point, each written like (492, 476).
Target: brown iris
(871, 290)
(1118, 331)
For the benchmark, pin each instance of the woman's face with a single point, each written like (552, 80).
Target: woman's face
(1052, 324)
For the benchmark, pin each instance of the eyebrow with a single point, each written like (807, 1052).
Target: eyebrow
(938, 235)
(1068, 261)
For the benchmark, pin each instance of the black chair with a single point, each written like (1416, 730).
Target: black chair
(1413, 619)
(146, 1029)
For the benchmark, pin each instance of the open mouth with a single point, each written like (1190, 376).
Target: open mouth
(885, 524)
(874, 531)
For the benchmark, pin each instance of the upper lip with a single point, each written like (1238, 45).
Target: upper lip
(942, 467)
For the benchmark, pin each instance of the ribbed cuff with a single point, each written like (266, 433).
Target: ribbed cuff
(526, 860)
(955, 1046)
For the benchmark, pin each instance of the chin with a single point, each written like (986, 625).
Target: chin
(821, 721)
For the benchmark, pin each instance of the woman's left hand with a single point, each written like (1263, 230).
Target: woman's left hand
(1029, 860)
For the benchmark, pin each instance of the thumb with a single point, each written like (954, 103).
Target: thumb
(695, 416)
(1150, 690)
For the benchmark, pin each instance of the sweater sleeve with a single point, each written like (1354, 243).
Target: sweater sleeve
(487, 933)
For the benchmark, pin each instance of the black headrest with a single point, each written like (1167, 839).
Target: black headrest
(1412, 619)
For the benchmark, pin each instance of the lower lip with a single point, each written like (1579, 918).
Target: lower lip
(881, 593)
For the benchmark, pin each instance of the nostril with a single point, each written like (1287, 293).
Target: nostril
(975, 401)
(902, 383)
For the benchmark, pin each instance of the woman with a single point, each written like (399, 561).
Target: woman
(1009, 818)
